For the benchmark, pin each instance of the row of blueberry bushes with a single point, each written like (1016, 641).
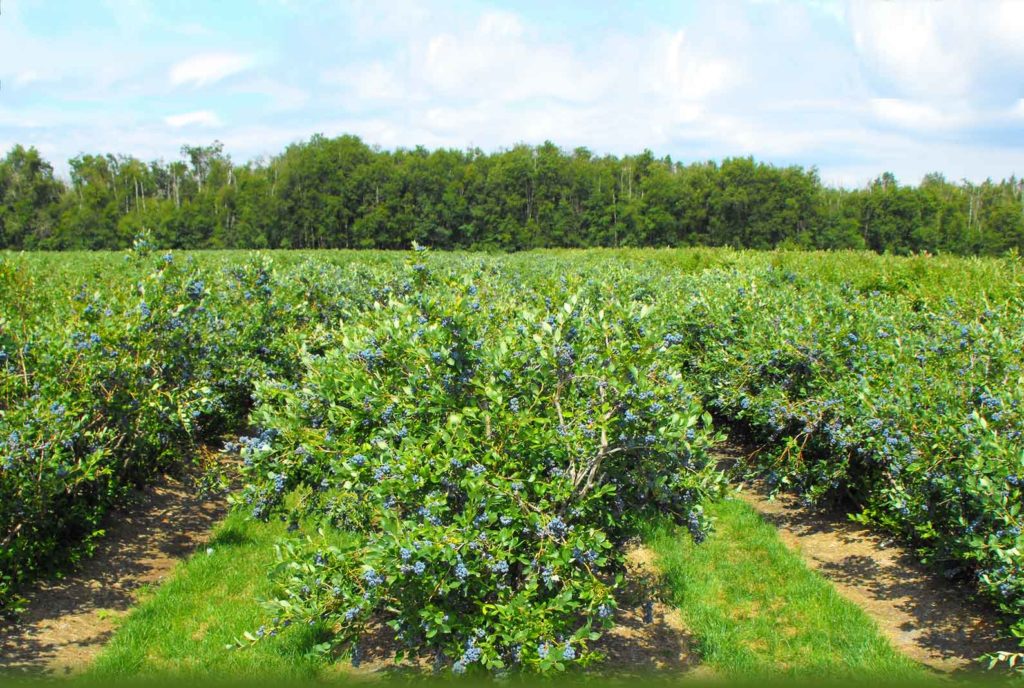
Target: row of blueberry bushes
(908, 410)
(111, 377)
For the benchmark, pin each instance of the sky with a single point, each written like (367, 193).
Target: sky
(854, 88)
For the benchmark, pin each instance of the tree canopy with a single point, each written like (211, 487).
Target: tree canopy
(342, 193)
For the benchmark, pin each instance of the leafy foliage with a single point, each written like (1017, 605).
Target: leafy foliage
(912, 411)
(107, 393)
(493, 450)
(341, 193)
(403, 403)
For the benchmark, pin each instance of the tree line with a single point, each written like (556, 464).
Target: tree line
(342, 193)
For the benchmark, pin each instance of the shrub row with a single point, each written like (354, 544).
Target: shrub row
(105, 389)
(908, 409)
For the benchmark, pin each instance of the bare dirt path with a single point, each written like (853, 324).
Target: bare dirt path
(635, 649)
(927, 617)
(67, 622)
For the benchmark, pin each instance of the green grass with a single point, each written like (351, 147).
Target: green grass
(752, 604)
(757, 610)
(183, 627)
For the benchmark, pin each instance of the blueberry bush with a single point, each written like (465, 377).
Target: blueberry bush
(492, 449)
(489, 430)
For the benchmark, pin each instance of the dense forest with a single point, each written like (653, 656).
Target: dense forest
(342, 193)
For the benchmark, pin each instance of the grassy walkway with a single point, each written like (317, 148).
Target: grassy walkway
(757, 610)
(183, 627)
(752, 605)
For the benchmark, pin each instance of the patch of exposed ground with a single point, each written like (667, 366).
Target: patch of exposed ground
(637, 649)
(66, 622)
(927, 617)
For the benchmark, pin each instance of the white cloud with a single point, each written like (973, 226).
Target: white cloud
(497, 58)
(199, 118)
(691, 76)
(497, 25)
(910, 44)
(1006, 24)
(786, 90)
(26, 77)
(939, 49)
(498, 77)
(208, 68)
(282, 97)
(130, 15)
(77, 64)
(368, 82)
(916, 115)
(854, 87)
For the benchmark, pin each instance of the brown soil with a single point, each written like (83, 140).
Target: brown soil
(635, 649)
(927, 617)
(66, 622)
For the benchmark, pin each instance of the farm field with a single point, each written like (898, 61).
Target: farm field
(462, 450)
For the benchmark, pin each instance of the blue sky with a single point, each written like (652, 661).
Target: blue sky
(854, 88)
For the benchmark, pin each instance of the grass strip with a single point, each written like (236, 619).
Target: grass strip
(757, 610)
(753, 606)
(181, 629)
